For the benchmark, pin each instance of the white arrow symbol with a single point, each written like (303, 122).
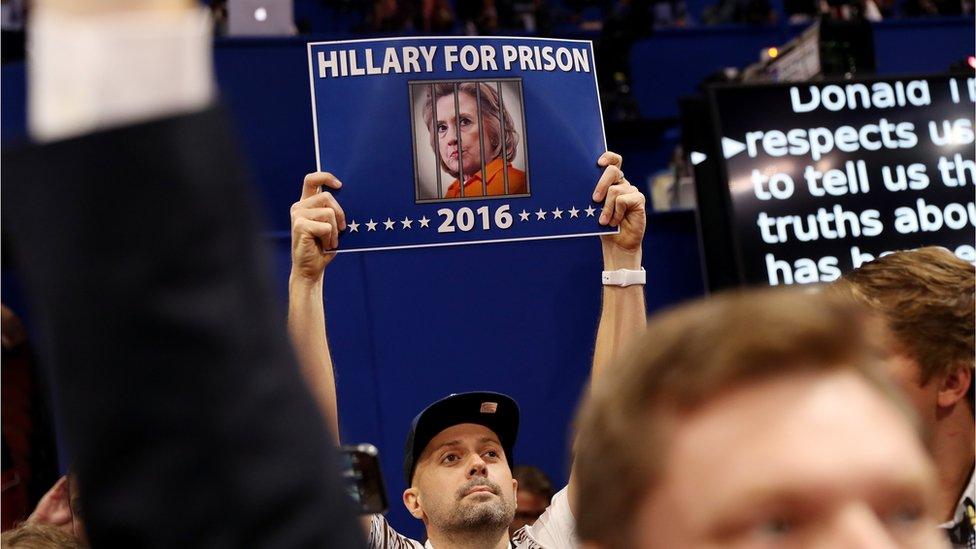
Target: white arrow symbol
(731, 147)
(697, 158)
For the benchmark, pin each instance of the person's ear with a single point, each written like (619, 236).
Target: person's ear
(54, 509)
(514, 486)
(411, 500)
(954, 386)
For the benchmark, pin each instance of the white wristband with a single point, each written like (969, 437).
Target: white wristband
(624, 277)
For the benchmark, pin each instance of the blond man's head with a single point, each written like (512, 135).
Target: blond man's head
(926, 296)
(750, 418)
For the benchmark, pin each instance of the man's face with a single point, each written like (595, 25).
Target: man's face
(907, 374)
(463, 481)
(529, 508)
(450, 124)
(813, 461)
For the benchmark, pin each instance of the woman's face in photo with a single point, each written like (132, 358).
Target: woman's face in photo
(448, 126)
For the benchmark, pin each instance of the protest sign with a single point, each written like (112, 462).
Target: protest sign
(445, 141)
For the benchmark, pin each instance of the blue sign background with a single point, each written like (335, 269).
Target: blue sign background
(364, 134)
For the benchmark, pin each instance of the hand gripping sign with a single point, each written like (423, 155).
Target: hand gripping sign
(445, 141)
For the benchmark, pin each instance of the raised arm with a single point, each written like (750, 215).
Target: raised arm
(624, 314)
(316, 220)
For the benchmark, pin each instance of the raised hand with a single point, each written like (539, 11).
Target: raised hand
(316, 221)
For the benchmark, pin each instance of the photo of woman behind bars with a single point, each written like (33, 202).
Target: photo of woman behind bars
(474, 139)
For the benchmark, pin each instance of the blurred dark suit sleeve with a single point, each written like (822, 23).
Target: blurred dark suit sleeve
(184, 412)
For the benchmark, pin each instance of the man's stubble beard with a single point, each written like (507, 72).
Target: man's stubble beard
(477, 517)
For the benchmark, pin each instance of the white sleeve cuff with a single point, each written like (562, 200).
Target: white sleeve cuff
(88, 72)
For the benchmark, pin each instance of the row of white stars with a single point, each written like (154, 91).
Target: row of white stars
(407, 223)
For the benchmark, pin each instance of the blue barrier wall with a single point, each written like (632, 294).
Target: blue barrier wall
(407, 327)
(924, 45)
(671, 63)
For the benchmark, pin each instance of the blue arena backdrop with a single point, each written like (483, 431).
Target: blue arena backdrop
(537, 132)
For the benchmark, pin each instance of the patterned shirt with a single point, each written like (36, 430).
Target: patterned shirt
(960, 528)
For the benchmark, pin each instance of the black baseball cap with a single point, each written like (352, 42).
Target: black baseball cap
(495, 411)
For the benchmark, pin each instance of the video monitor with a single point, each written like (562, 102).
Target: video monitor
(806, 181)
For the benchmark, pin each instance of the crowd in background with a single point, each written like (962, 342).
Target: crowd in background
(863, 392)
(542, 17)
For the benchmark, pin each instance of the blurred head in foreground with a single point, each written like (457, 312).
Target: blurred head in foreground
(753, 419)
(39, 536)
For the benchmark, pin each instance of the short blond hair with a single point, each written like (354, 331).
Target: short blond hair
(688, 357)
(30, 535)
(927, 297)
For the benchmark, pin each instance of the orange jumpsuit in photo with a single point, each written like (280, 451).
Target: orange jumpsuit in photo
(494, 184)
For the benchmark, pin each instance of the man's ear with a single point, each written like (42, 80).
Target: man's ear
(411, 500)
(954, 386)
(515, 485)
(54, 509)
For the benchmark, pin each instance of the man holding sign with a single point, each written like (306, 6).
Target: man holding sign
(459, 452)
